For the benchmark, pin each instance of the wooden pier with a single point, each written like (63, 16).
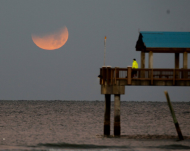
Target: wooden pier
(114, 80)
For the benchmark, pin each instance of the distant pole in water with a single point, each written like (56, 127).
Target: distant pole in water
(104, 51)
(174, 117)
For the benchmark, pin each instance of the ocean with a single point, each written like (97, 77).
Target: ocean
(78, 125)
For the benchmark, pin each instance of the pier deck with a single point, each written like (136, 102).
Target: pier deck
(144, 77)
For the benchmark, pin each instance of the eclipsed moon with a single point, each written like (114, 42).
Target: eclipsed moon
(52, 41)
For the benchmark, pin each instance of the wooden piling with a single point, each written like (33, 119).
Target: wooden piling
(117, 128)
(174, 117)
(107, 114)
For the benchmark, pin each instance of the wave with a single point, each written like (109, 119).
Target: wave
(174, 147)
(90, 146)
(79, 146)
(136, 137)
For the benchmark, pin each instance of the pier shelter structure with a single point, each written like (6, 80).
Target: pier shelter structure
(114, 80)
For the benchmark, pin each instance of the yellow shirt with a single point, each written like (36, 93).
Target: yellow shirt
(135, 64)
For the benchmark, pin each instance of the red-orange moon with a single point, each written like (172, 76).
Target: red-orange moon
(52, 41)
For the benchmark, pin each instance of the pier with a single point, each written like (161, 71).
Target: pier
(114, 80)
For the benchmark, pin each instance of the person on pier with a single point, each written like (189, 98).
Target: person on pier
(134, 66)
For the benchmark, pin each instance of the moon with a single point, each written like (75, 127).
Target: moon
(53, 40)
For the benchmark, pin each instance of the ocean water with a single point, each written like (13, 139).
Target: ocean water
(78, 125)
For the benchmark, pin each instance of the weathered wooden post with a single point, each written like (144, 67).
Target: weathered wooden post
(176, 60)
(142, 59)
(117, 128)
(185, 60)
(129, 72)
(142, 75)
(185, 64)
(174, 117)
(176, 67)
(150, 65)
(107, 114)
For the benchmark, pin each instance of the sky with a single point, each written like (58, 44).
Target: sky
(70, 72)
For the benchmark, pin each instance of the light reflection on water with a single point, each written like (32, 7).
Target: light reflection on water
(68, 125)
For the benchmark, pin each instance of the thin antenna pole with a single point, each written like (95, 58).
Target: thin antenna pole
(105, 51)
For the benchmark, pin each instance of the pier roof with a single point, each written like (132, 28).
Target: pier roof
(163, 42)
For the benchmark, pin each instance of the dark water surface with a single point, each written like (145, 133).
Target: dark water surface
(78, 125)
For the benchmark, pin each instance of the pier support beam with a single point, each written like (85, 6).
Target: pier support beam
(150, 60)
(185, 64)
(142, 59)
(176, 60)
(142, 64)
(185, 60)
(117, 127)
(176, 65)
(107, 114)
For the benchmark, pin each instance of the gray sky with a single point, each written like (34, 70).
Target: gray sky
(70, 73)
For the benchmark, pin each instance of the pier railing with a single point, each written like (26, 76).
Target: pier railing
(110, 75)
